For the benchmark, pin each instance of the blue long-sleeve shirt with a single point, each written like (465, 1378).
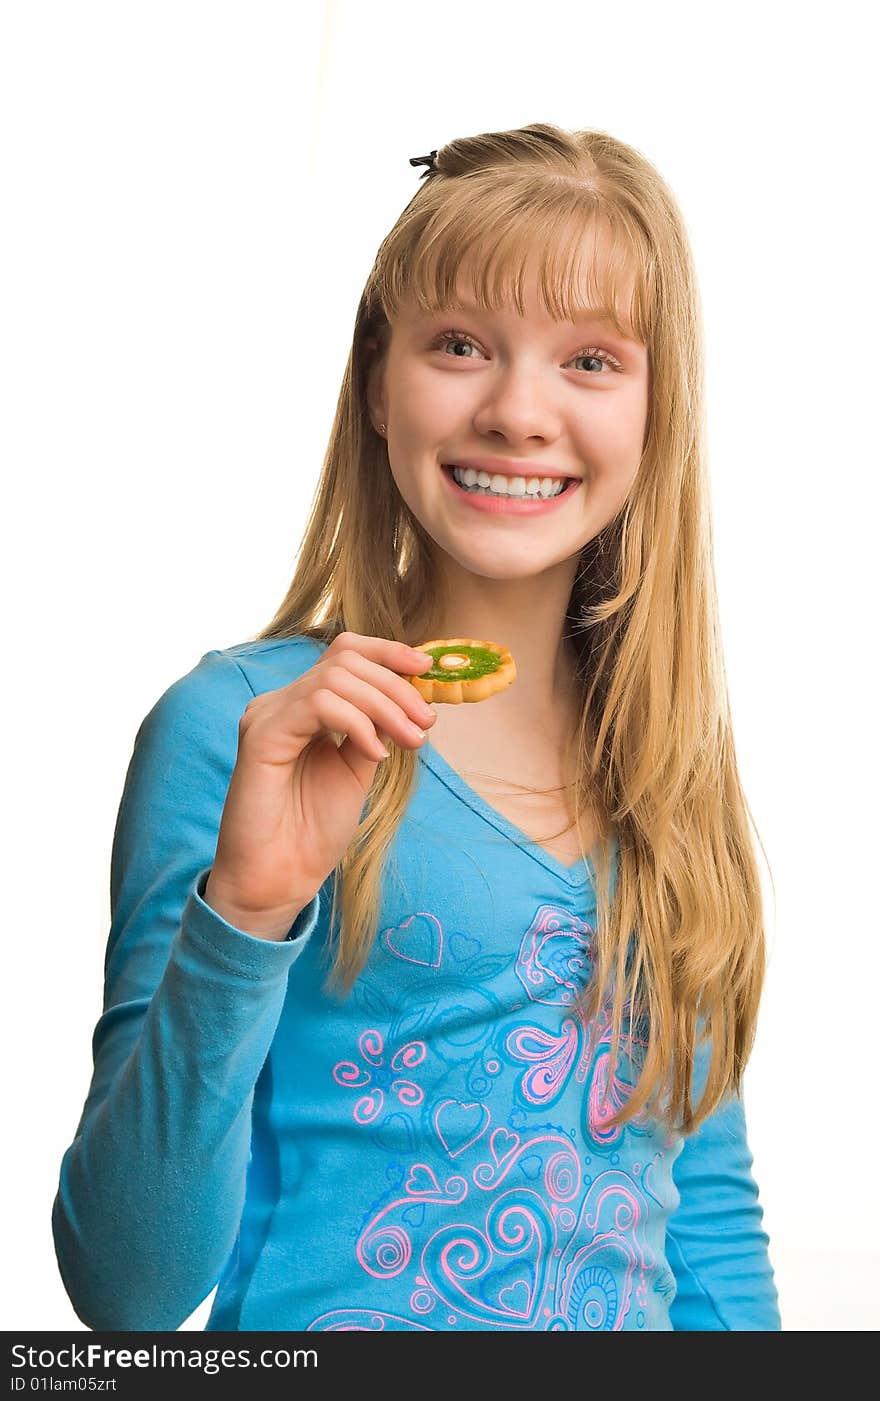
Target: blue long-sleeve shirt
(429, 1153)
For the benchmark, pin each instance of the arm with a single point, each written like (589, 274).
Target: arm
(151, 1188)
(715, 1243)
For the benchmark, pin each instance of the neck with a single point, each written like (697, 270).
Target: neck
(526, 616)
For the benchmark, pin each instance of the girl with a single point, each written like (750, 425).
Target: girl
(450, 1035)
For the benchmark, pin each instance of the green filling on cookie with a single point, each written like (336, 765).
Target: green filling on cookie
(482, 663)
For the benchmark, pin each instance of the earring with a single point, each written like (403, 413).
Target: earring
(382, 429)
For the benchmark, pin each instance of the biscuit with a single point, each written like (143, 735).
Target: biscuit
(464, 670)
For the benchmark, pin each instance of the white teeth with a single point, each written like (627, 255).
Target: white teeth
(507, 486)
(500, 485)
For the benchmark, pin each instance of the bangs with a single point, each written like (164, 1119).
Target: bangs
(483, 242)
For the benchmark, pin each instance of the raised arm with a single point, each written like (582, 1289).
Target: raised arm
(152, 1186)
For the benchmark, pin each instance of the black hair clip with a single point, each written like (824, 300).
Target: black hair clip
(424, 160)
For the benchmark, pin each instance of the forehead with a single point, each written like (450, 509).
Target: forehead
(591, 281)
(535, 316)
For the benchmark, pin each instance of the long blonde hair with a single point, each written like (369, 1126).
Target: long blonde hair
(679, 947)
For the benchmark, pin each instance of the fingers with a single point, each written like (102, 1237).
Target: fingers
(368, 695)
(384, 710)
(397, 688)
(397, 656)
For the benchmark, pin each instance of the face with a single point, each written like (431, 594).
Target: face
(516, 397)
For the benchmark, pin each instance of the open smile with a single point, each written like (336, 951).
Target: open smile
(520, 505)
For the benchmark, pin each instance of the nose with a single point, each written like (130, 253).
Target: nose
(517, 409)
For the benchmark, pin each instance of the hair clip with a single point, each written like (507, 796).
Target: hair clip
(424, 160)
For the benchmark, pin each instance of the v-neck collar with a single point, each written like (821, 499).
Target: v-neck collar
(580, 874)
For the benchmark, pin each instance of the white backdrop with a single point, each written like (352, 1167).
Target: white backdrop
(194, 193)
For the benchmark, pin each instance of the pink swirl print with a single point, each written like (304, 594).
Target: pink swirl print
(507, 1150)
(605, 1097)
(554, 955)
(551, 1056)
(496, 1276)
(384, 1248)
(379, 1077)
(364, 1321)
(509, 1201)
(604, 1101)
(604, 1256)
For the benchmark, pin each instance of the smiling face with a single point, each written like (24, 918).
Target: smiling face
(523, 397)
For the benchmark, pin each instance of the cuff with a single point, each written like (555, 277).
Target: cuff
(235, 945)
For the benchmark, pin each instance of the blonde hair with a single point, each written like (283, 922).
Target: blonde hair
(679, 948)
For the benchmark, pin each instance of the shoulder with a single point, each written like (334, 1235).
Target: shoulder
(222, 682)
(268, 663)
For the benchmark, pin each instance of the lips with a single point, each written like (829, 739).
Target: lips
(510, 506)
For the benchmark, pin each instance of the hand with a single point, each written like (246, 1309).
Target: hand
(295, 799)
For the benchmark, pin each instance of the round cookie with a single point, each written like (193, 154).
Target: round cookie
(464, 670)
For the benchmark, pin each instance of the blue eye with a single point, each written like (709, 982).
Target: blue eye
(593, 353)
(462, 338)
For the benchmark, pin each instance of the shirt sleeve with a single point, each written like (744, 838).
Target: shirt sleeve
(151, 1188)
(715, 1243)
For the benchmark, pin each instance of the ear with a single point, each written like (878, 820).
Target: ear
(375, 383)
